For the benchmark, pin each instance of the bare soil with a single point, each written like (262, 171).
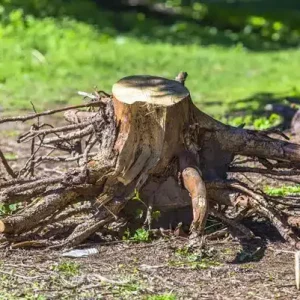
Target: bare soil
(138, 271)
(224, 269)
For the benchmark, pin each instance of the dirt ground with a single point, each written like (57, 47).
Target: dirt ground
(165, 268)
(141, 271)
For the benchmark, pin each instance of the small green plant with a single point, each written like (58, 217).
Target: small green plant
(130, 289)
(265, 123)
(271, 277)
(259, 123)
(188, 258)
(247, 267)
(126, 235)
(10, 156)
(140, 235)
(68, 268)
(156, 215)
(282, 191)
(182, 252)
(139, 212)
(166, 296)
(137, 197)
(8, 209)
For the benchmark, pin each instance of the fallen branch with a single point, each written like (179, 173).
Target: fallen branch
(50, 112)
(264, 171)
(8, 169)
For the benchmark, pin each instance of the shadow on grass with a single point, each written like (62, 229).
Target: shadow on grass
(259, 25)
(261, 105)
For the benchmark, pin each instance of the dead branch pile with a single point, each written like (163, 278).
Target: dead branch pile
(171, 152)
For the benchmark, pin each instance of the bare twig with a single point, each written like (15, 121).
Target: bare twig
(70, 136)
(231, 222)
(31, 158)
(35, 133)
(264, 171)
(8, 169)
(87, 150)
(30, 185)
(50, 112)
(17, 181)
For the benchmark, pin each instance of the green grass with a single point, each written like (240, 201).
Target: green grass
(8, 209)
(140, 235)
(251, 120)
(67, 268)
(162, 297)
(47, 60)
(185, 257)
(215, 74)
(283, 191)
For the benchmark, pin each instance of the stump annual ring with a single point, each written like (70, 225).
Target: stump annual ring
(149, 89)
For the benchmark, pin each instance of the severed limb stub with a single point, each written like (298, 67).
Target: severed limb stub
(193, 182)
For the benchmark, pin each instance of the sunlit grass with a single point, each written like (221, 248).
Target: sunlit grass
(283, 191)
(49, 59)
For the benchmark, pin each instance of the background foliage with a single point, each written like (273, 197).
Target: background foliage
(231, 49)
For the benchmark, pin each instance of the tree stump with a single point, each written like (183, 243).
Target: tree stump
(154, 115)
(151, 138)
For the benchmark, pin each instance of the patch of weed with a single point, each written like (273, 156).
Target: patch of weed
(195, 260)
(166, 296)
(10, 156)
(247, 267)
(8, 209)
(140, 212)
(132, 286)
(140, 235)
(67, 268)
(254, 122)
(282, 191)
(271, 277)
(130, 289)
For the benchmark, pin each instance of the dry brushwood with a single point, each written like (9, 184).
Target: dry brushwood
(147, 136)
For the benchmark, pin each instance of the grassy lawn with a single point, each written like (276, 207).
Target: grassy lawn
(46, 60)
